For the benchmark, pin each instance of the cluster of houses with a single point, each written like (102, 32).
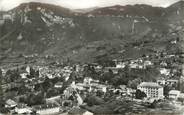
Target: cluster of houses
(60, 104)
(137, 63)
(53, 105)
(73, 97)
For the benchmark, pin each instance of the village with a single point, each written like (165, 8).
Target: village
(86, 89)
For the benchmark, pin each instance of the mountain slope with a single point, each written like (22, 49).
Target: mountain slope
(101, 34)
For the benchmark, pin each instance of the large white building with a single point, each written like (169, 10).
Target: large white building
(151, 89)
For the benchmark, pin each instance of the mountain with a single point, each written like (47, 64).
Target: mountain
(135, 10)
(97, 35)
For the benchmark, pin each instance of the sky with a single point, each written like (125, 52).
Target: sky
(80, 4)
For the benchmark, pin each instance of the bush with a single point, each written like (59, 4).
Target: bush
(139, 94)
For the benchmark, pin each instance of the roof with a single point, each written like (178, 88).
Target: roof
(161, 78)
(174, 80)
(11, 102)
(182, 95)
(20, 105)
(76, 111)
(45, 106)
(174, 92)
(59, 83)
(150, 84)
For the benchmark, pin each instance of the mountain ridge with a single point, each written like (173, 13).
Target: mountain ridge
(100, 34)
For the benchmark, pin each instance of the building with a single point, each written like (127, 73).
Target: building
(120, 65)
(22, 109)
(58, 85)
(148, 63)
(99, 87)
(170, 82)
(87, 80)
(52, 99)
(174, 94)
(47, 109)
(7, 16)
(161, 81)
(114, 69)
(10, 103)
(151, 89)
(165, 71)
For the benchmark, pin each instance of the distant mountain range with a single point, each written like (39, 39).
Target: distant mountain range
(93, 35)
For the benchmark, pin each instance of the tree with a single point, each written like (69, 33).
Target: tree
(116, 80)
(154, 104)
(33, 99)
(51, 92)
(94, 100)
(99, 93)
(2, 103)
(134, 83)
(1, 74)
(139, 94)
(33, 73)
(1, 90)
(107, 76)
(166, 90)
(46, 84)
(181, 99)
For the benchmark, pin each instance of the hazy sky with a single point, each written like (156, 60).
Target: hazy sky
(78, 4)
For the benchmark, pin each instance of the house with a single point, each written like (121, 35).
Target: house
(23, 109)
(10, 103)
(100, 87)
(23, 75)
(81, 86)
(78, 68)
(148, 63)
(52, 99)
(79, 111)
(69, 91)
(165, 71)
(163, 64)
(47, 109)
(161, 81)
(151, 89)
(7, 16)
(58, 85)
(120, 65)
(174, 94)
(87, 80)
(3, 71)
(130, 91)
(79, 99)
(134, 65)
(181, 95)
(171, 82)
(28, 70)
(114, 69)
